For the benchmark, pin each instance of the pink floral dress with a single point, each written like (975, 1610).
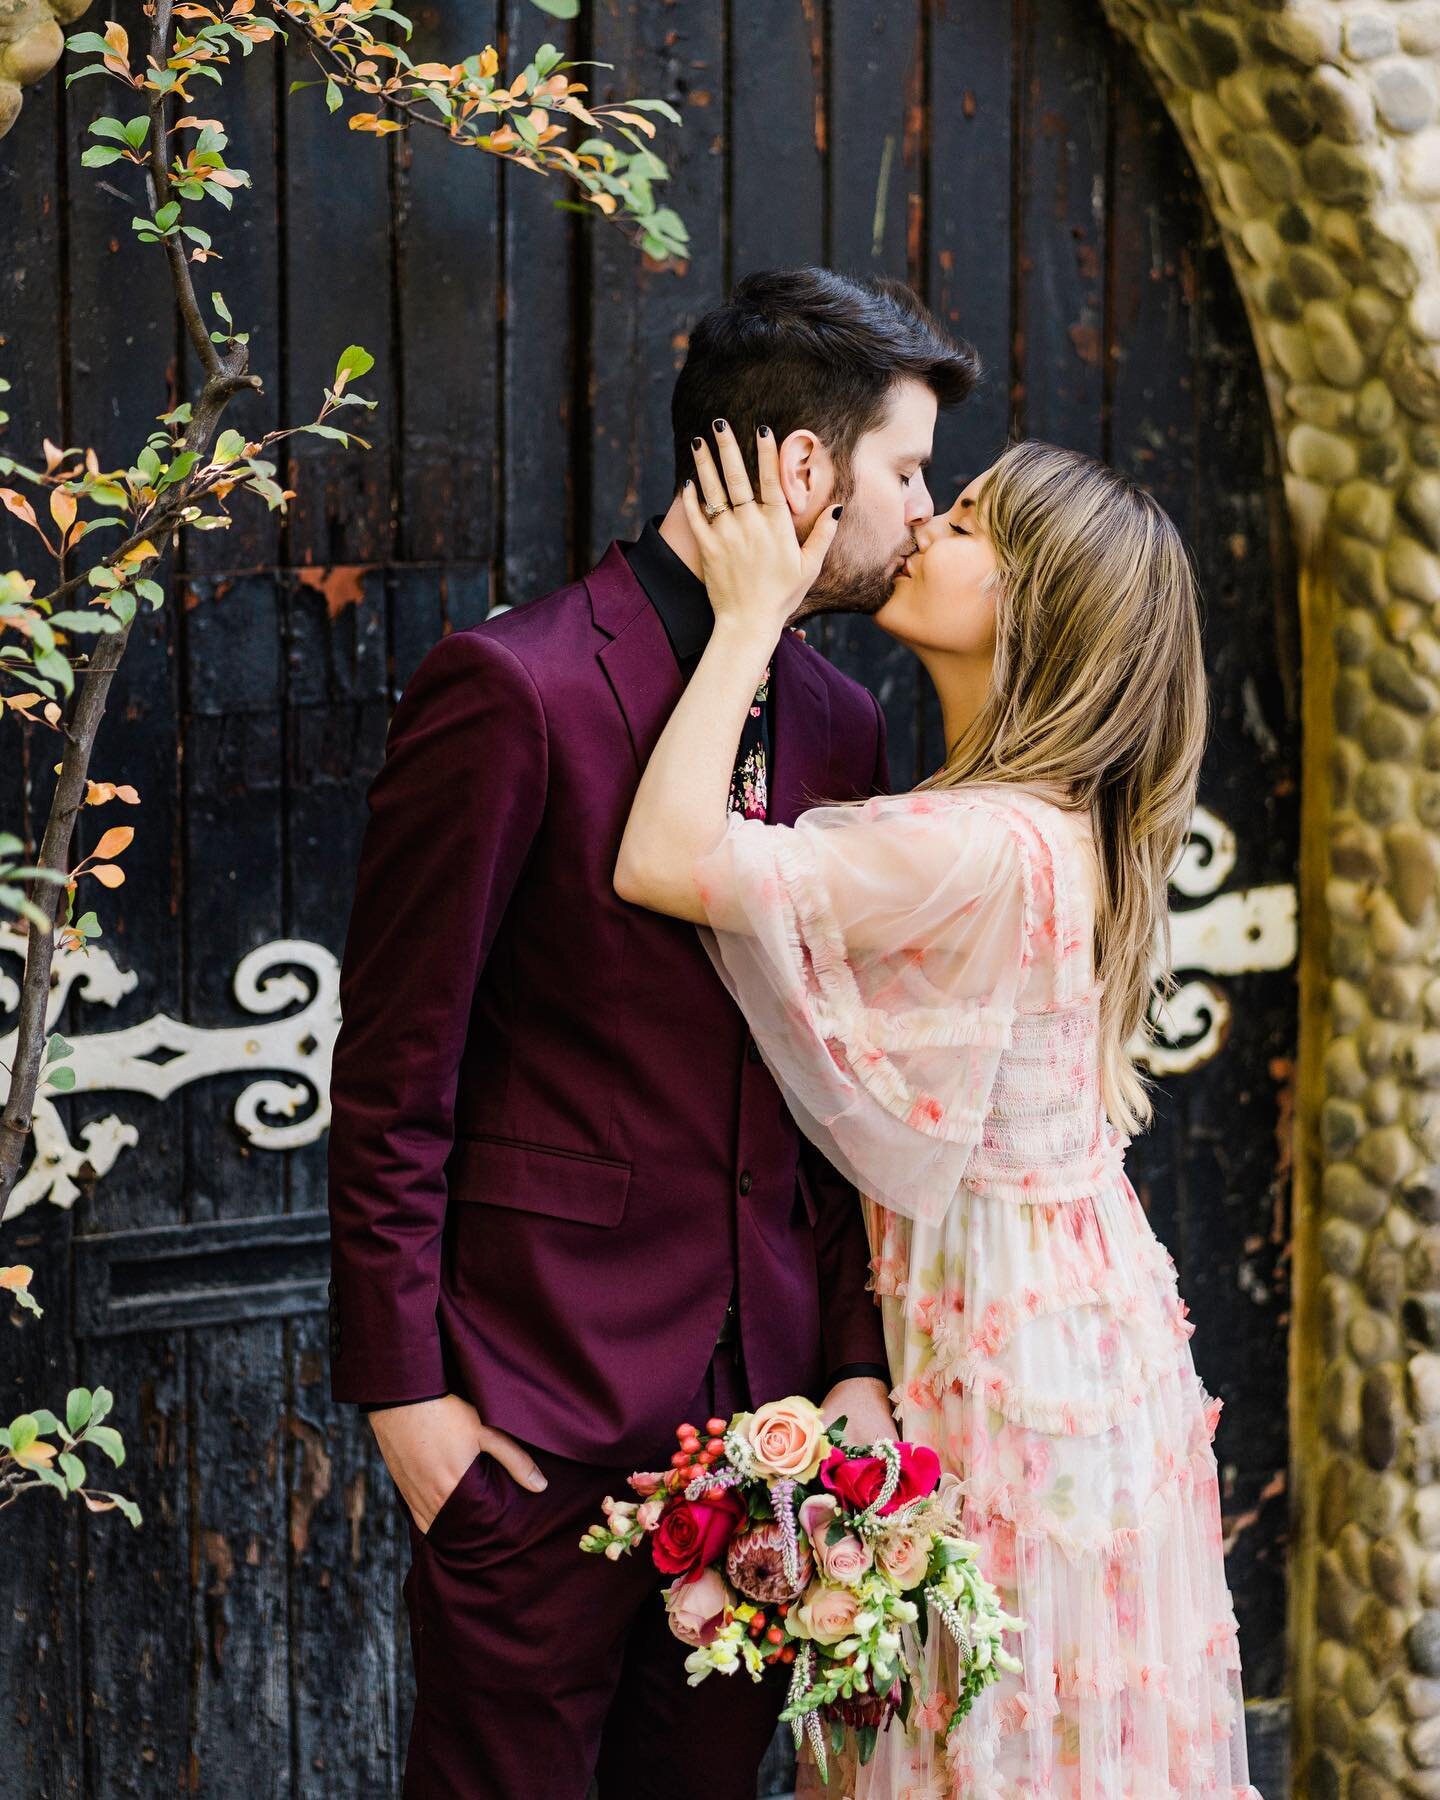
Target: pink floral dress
(918, 972)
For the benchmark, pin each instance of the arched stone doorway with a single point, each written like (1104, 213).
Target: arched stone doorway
(1313, 128)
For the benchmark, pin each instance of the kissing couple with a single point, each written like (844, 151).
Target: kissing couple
(859, 1137)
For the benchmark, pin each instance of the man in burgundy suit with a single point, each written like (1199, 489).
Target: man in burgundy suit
(569, 1208)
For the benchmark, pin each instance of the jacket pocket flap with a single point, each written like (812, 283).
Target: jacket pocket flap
(562, 1184)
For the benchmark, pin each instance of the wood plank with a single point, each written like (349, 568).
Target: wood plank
(123, 358)
(1238, 1203)
(40, 1649)
(640, 313)
(449, 299)
(233, 903)
(876, 179)
(779, 130)
(542, 457)
(1062, 223)
(970, 182)
(876, 160)
(348, 1546)
(336, 249)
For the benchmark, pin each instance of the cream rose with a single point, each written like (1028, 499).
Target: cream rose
(787, 1438)
(904, 1557)
(827, 1614)
(697, 1606)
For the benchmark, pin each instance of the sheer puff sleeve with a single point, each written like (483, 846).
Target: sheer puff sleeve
(877, 952)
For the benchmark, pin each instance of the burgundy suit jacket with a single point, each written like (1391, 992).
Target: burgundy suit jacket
(553, 1143)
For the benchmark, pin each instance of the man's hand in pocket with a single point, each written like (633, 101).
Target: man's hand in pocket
(428, 1446)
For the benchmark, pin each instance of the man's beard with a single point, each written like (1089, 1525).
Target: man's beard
(841, 587)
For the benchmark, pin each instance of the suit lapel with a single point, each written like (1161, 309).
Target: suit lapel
(641, 669)
(638, 661)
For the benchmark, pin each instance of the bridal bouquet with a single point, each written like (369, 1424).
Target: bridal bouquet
(788, 1546)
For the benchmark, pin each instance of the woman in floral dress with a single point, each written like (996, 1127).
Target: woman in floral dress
(945, 984)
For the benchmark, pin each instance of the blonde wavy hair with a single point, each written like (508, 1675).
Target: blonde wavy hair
(1099, 687)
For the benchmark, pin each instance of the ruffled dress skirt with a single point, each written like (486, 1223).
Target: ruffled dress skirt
(1042, 1349)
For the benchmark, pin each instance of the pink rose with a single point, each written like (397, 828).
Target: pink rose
(696, 1609)
(904, 1556)
(849, 1557)
(787, 1438)
(856, 1481)
(827, 1614)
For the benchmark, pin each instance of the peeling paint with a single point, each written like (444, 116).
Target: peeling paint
(342, 584)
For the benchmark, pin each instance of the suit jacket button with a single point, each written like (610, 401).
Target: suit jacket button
(745, 1182)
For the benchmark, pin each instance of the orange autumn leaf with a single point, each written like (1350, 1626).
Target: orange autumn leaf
(117, 38)
(19, 505)
(195, 123)
(370, 122)
(109, 875)
(140, 552)
(63, 508)
(36, 1455)
(20, 703)
(97, 1505)
(53, 455)
(638, 120)
(16, 1276)
(116, 839)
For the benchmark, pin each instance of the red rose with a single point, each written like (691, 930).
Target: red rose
(856, 1481)
(692, 1534)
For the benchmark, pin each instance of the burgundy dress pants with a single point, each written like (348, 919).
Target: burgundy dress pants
(538, 1667)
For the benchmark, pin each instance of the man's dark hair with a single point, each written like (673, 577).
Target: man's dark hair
(806, 349)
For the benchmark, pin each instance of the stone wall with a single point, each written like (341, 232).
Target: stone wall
(1315, 126)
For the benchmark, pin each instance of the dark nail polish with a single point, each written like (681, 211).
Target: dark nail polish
(836, 511)
(718, 424)
(764, 431)
(687, 482)
(695, 443)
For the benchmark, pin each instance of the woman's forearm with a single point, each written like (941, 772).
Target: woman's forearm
(680, 808)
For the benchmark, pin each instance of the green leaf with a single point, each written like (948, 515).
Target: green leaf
(77, 1408)
(88, 41)
(56, 1050)
(23, 1432)
(217, 300)
(329, 431)
(62, 1080)
(98, 157)
(106, 1438)
(150, 590)
(168, 214)
(354, 362)
(663, 107)
(55, 665)
(333, 99)
(179, 468)
(228, 446)
(101, 1399)
(74, 1470)
(123, 607)
(85, 621)
(127, 1507)
(88, 925)
(559, 9)
(52, 1478)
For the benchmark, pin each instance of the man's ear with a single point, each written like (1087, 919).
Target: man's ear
(807, 476)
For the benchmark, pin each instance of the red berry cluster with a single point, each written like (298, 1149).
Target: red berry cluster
(697, 1454)
(768, 1629)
